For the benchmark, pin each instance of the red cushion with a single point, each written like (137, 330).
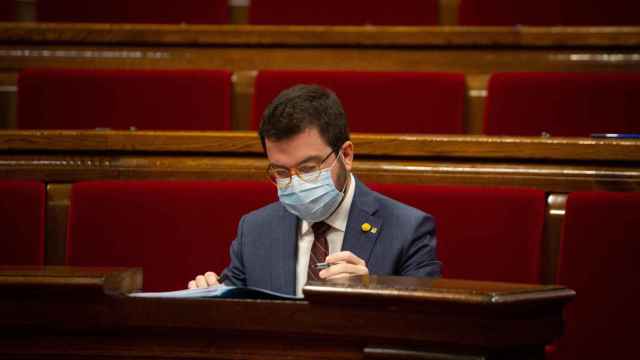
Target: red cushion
(601, 12)
(339, 12)
(599, 259)
(509, 12)
(134, 11)
(7, 10)
(379, 102)
(22, 209)
(489, 234)
(548, 12)
(174, 230)
(562, 104)
(120, 99)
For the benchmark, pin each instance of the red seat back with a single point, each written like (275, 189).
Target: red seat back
(134, 11)
(338, 12)
(599, 259)
(120, 99)
(174, 230)
(489, 234)
(562, 104)
(548, 12)
(8, 10)
(379, 102)
(22, 212)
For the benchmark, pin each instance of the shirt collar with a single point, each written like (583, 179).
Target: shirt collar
(337, 220)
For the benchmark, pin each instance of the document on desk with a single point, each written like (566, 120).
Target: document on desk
(219, 291)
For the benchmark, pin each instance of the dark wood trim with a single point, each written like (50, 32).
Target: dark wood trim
(312, 36)
(366, 145)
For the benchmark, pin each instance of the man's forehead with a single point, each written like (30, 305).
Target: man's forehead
(293, 150)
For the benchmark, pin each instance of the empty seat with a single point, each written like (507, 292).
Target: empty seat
(562, 104)
(488, 234)
(548, 12)
(22, 212)
(121, 99)
(174, 230)
(338, 12)
(379, 102)
(134, 11)
(8, 10)
(509, 12)
(599, 256)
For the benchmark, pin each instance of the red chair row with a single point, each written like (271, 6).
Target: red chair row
(336, 12)
(560, 104)
(176, 229)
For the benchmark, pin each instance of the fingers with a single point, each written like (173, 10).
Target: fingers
(202, 281)
(211, 277)
(345, 256)
(345, 264)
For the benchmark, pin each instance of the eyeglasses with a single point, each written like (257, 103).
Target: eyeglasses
(308, 171)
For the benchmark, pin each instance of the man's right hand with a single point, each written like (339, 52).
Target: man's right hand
(202, 281)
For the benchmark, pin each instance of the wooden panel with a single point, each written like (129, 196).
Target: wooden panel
(449, 12)
(56, 223)
(421, 316)
(553, 224)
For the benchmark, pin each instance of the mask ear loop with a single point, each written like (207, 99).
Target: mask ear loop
(346, 180)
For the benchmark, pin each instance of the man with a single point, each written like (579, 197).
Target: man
(325, 215)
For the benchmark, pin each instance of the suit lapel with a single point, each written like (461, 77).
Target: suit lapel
(285, 253)
(363, 209)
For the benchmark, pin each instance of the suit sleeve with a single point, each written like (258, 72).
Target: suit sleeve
(235, 273)
(420, 256)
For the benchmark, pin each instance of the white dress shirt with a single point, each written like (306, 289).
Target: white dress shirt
(338, 222)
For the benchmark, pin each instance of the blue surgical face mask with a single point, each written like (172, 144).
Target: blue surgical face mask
(314, 201)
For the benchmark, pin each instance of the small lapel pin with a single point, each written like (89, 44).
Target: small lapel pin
(366, 227)
(374, 230)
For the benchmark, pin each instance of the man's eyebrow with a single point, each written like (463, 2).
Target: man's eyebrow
(307, 159)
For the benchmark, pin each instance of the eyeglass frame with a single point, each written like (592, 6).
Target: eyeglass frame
(294, 171)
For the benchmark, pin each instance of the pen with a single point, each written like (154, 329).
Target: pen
(221, 278)
(323, 265)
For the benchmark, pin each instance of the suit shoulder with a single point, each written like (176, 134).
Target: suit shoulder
(264, 214)
(388, 204)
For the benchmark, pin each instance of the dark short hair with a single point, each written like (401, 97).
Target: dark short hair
(301, 107)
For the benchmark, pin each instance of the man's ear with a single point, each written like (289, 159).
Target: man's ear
(347, 155)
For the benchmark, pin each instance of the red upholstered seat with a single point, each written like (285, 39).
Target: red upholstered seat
(562, 104)
(489, 234)
(134, 11)
(379, 102)
(599, 259)
(174, 230)
(7, 10)
(120, 99)
(548, 12)
(338, 12)
(22, 211)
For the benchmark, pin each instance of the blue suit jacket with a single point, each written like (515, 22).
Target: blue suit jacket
(264, 252)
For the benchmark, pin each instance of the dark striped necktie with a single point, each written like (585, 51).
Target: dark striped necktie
(319, 249)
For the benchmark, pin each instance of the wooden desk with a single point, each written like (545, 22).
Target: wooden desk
(85, 314)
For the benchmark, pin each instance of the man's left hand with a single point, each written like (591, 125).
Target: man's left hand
(345, 264)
